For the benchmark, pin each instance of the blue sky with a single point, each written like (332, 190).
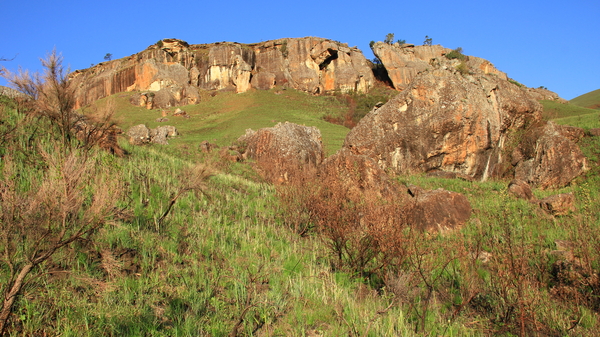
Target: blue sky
(538, 43)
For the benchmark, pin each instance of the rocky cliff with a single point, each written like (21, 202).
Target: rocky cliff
(172, 71)
(470, 123)
(404, 61)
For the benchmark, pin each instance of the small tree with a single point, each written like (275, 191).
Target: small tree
(108, 57)
(389, 38)
(428, 41)
(63, 197)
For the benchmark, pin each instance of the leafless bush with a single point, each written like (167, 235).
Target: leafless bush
(70, 200)
(52, 96)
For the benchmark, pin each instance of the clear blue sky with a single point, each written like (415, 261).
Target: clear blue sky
(538, 43)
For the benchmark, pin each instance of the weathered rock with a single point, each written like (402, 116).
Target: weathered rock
(284, 148)
(359, 176)
(559, 204)
(437, 210)
(547, 158)
(207, 147)
(174, 70)
(520, 189)
(545, 94)
(594, 132)
(404, 62)
(448, 122)
(139, 134)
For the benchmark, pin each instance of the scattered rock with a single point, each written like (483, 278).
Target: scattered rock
(162, 119)
(181, 113)
(560, 204)
(141, 134)
(231, 154)
(594, 132)
(207, 147)
(520, 189)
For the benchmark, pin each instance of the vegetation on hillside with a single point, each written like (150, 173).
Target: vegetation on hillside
(589, 100)
(189, 243)
(557, 110)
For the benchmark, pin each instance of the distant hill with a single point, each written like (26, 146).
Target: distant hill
(590, 100)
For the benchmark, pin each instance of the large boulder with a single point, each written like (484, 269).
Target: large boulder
(549, 157)
(359, 176)
(446, 121)
(437, 210)
(283, 149)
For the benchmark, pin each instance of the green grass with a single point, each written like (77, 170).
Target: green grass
(555, 110)
(229, 254)
(590, 100)
(226, 116)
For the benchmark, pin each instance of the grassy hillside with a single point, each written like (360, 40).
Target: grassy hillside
(222, 118)
(555, 110)
(590, 100)
(217, 256)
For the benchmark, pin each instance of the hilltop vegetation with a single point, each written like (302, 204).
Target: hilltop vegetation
(195, 244)
(590, 100)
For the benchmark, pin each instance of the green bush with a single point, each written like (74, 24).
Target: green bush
(456, 54)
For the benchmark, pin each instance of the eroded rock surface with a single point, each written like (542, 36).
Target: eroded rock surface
(171, 71)
(141, 134)
(548, 156)
(284, 148)
(437, 210)
(404, 62)
(445, 121)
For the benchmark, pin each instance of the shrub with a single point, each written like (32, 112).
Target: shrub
(456, 54)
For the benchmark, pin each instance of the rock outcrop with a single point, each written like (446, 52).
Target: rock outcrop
(171, 71)
(545, 94)
(549, 156)
(404, 61)
(437, 210)
(141, 134)
(283, 150)
(446, 121)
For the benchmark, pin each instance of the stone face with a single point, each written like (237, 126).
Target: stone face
(549, 157)
(445, 121)
(404, 62)
(175, 71)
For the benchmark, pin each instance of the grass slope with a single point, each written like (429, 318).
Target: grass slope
(222, 118)
(590, 100)
(226, 263)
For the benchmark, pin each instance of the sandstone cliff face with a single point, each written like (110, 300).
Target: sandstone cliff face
(404, 62)
(177, 70)
(444, 120)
